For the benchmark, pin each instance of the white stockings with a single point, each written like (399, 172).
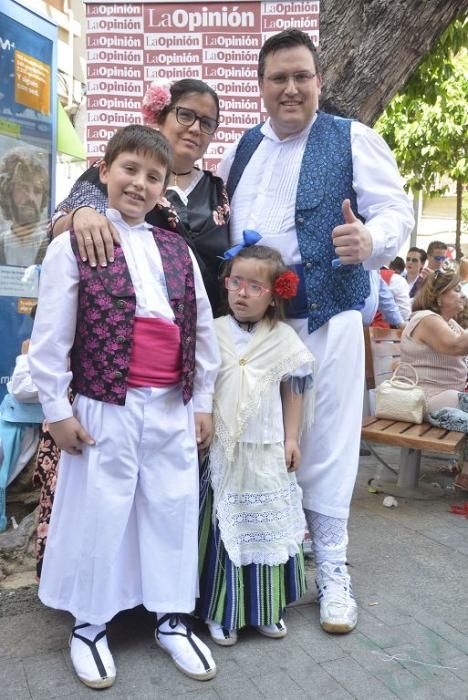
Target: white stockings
(329, 537)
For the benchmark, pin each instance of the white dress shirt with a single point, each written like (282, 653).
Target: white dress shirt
(400, 290)
(55, 324)
(21, 385)
(265, 197)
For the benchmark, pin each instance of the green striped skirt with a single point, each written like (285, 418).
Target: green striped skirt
(247, 595)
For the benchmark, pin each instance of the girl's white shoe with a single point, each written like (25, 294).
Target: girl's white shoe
(275, 631)
(221, 635)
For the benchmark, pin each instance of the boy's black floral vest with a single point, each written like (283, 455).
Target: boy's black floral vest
(101, 352)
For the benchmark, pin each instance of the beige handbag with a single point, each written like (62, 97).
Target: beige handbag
(400, 398)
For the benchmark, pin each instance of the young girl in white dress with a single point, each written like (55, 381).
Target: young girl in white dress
(251, 521)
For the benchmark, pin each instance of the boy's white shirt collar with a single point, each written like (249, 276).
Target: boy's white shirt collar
(116, 216)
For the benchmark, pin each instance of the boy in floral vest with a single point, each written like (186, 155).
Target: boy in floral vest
(135, 341)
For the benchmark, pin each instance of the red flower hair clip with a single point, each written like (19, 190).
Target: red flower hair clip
(286, 285)
(157, 96)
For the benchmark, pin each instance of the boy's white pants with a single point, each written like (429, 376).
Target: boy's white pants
(124, 524)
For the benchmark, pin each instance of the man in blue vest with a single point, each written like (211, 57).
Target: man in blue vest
(325, 192)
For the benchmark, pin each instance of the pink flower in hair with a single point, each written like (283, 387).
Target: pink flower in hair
(157, 96)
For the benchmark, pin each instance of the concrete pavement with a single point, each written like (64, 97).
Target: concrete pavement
(410, 573)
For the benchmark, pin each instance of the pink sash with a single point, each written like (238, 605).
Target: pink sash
(156, 353)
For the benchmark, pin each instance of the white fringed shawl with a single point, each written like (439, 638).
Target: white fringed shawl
(256, 501)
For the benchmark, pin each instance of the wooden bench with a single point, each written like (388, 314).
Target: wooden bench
(382, 356)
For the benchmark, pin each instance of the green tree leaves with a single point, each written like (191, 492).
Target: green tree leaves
(426, 123)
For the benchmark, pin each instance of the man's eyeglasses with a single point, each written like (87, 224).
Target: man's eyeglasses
(251, 289)
(282, 79)
(413, 260)
(440, 258)
(187, 117)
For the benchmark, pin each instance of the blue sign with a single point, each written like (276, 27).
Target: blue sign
(27, 168)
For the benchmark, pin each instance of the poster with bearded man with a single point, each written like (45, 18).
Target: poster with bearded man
(24, 196)
(28, 137)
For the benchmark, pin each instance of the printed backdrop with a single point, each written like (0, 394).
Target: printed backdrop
(130, 44)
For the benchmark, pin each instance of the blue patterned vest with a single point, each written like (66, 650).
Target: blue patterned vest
(325, 180)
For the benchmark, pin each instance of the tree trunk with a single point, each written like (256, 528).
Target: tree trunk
(369, 49)
(417, 210)
(458, 249)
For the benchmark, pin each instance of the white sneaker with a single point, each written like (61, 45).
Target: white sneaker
(338, 609)
(91, 658)
(275, 631)
(221, 635)
(190, 655)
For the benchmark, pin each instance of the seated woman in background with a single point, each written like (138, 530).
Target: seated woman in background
(436, 345)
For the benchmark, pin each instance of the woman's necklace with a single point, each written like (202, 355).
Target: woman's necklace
(176, 175)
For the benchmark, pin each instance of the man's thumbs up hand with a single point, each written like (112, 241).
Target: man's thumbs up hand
(352, 241)
(348, 214)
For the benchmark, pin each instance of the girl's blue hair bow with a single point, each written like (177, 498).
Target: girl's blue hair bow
(250, 236)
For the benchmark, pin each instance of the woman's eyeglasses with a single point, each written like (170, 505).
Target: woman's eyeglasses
(187, 117)
(251, 289)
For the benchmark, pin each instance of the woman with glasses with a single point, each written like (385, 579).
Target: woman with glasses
(415, 261)
(436, 346)
(195, 204)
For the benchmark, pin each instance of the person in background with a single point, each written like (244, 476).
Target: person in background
(463, 272)
(415, 261)
(436, 346)
(20, 421)
(397, 265)
(381, 304)
(136, 343)
(436, 260)
(326, 193)
(436, 255)
(399, 289)
(462, 318)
